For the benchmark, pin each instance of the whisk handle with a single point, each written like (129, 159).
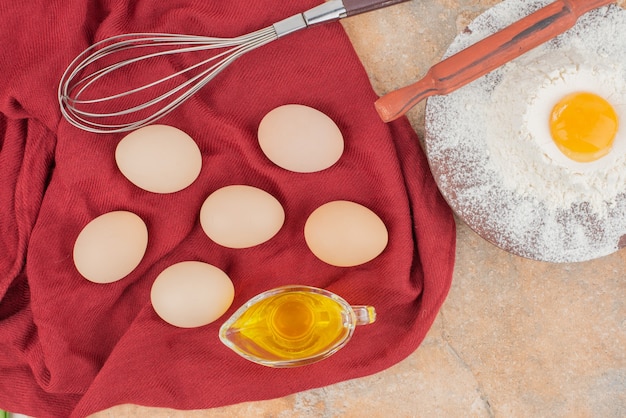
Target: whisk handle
(355, 7)
(329, 11)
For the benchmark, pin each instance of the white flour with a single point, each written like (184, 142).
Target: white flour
(492, 154)
(520, 106)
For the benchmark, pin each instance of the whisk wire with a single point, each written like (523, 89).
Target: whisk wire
(94, 77)
(153, 42)
(72, 88)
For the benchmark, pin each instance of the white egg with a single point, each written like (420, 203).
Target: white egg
(240, 216)
(159, 158)
(191, 294)
(300, 138)
(110, 246)
(345, 234)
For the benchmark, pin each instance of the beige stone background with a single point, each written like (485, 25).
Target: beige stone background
(515, 338)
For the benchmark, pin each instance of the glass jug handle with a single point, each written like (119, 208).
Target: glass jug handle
(364, 314)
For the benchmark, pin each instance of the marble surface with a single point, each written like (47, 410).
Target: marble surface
(515, 337)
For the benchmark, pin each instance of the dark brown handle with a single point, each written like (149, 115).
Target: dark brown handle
(487, 55)
(355, 7)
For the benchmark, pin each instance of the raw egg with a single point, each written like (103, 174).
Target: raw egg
(300, 139)
(191, 294)
(240, 216)
(573, 113)
(345, 234)
(110, 246)
(583, 126)
(159, 158)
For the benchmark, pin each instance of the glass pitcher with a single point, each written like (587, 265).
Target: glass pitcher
(292, 326)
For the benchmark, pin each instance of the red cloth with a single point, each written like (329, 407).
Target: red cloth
(69, 347)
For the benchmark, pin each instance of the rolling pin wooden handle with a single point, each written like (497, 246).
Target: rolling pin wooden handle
(487, 55)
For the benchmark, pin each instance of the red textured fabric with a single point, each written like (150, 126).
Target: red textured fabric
(69, 347)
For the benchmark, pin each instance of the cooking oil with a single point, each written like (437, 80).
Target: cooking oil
(292, 325)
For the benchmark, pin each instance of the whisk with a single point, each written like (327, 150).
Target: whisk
(83, 95)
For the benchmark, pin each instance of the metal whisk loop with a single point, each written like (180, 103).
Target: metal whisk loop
(72, 88)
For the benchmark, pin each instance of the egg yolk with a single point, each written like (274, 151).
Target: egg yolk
(583, 126)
